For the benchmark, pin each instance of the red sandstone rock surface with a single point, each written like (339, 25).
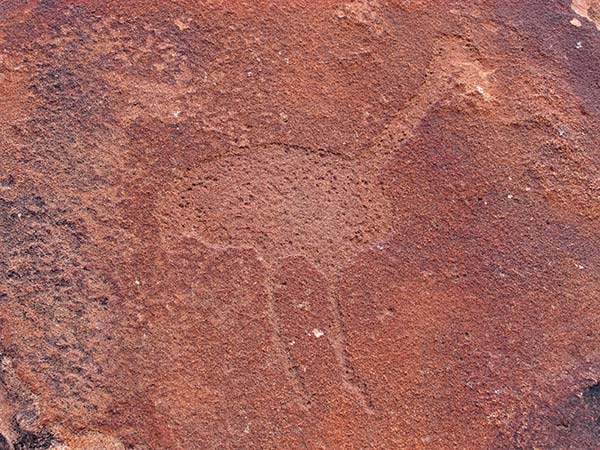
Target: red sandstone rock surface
(299, 224)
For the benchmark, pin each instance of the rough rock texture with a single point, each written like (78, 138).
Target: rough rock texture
(299, 224)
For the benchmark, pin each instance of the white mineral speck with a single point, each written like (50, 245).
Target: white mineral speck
(317, 333)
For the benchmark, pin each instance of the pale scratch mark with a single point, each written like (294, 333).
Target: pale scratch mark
(588, 9)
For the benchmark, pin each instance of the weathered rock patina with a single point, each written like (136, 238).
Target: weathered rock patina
(299, 224)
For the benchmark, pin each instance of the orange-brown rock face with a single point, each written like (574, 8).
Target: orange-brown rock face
(299, 224)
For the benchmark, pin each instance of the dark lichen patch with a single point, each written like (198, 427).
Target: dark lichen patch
(48, 294)
(34, 441)
(4, 445)
(592, 398)
(573, 423)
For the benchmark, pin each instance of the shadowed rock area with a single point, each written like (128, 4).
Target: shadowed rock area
(299, 224)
